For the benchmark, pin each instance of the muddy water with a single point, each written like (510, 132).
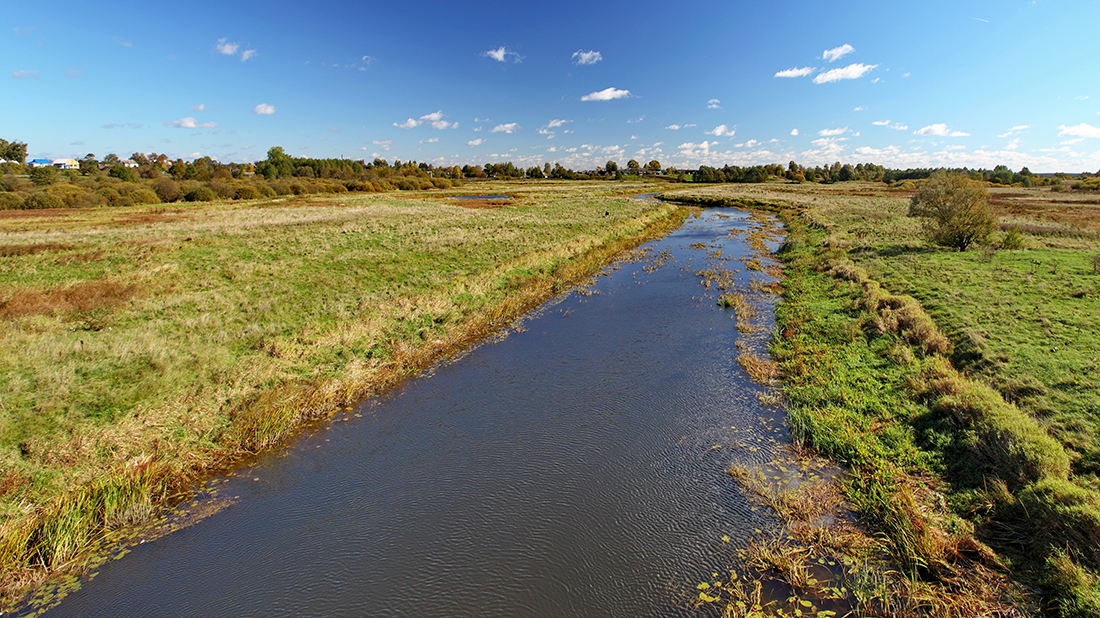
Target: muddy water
(574, 467)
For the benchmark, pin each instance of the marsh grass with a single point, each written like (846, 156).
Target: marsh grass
(202, 335)
(869, 324)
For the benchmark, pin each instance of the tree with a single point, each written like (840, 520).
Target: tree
(633, 166)
(955, 210)
(611, 167)
(15, 152)
(88, 165)
(654, 166)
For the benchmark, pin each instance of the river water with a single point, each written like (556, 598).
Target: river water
(574, 467)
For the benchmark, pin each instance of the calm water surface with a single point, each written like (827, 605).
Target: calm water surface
(574, 467)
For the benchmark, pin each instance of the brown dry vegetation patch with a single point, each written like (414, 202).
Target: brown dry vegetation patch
(1070, 217)
(83, 296)
(36, 213)
(16, 250)
(481, 203)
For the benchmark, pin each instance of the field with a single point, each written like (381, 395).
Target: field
(144, 346)
(959, 389)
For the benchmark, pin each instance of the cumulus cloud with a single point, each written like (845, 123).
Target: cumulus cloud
(881, 123)
(553, 124)
(714, 104)
(384, 144)
(832, 132)
(475, 142)
(837, 53)
(501, 54)
(201, 107)
(939, 130)
(223, 46)
(25, 74)
(803, 72)
(721, 130)
(1081, 130)
(852, 71)
(435, 119)
(1070, 142)
(263, 109)
(606, 94)
(430, 140)
(511, 127)
(794, 131)
(586, 57)
(248, 53)
(190, 123)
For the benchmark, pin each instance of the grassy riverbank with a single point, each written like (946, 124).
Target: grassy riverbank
(145, 346)
(959, 390)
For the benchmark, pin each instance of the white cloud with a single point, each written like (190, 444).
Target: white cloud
(714, 104)
(248, 53)
(1013, 145)
(511, 127)
(1021, 127)
(1081, 130)
(25, 74)
(721, 130)
(859, 109)
(435, 119)
(586, 57)
(384, 144)
(430, 140)
(501, 54)
(828, 141)
(1070, 142)
(803, 72)
(674, 127)
(190, 123)
(201, 107)
(852, 71)
(606, 94)
(899, 127)
(794, 131)
(837, 53)
(939, 130)
(553, 124)
(475, 142)
(224, 47)
(832, 132)
(263, 109)
(636, 120)
(881, 123)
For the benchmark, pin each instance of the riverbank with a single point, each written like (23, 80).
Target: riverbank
(146, 347)
(982, 490)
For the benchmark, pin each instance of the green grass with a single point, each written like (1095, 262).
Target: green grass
(179, 340)
(1005, 436)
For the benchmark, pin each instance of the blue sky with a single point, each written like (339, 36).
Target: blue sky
(902, 84)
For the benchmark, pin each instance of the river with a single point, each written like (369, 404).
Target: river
(574, 466)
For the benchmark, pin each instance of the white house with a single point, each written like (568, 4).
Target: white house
(66, 164)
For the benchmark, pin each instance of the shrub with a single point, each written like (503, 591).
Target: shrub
(200, 193)
(247, 192)
(42, 199)
(955, 210)
(90, 199)
(143, 195)
(1013, 239)
(68, 193)
(222, 189)
(441, 183)
(10, 201)
(44, 176)
(166, 189)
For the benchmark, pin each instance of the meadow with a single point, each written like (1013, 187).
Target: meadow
(145, 346)
(958, 390)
